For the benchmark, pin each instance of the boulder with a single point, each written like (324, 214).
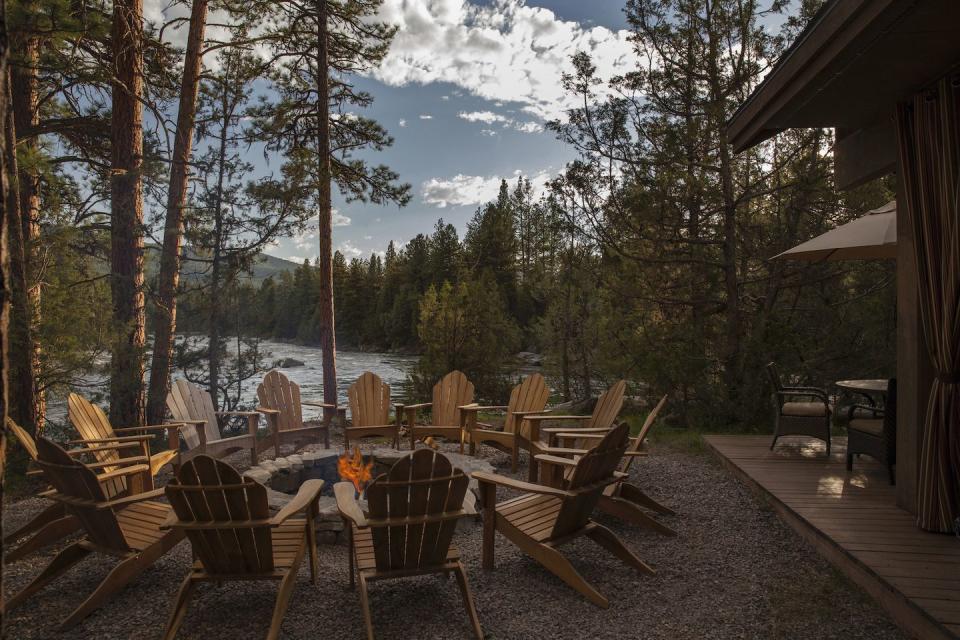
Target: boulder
(288, 363)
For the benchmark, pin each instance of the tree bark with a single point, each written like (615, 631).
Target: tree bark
(4, 270)
(165, 314)
(29, 404)
(126, 210)
(325, 229)
(20, 357)
(213, 329)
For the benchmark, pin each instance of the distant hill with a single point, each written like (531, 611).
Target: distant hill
(265, 267)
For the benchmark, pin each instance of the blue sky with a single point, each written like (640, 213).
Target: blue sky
(458, 127)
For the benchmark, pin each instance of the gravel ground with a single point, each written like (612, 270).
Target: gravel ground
(734, 571)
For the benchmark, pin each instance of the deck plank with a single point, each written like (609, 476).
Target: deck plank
(852, 519)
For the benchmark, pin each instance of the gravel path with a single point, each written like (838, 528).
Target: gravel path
(734, 571)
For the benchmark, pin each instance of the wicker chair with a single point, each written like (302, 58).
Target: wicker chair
(875, 436)
(801, 411)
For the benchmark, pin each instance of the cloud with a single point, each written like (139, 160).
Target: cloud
(489, 118)
(340, 220)
(463, 190)
(502, 51)
(403, 122)
(348, 250)
(426, 116)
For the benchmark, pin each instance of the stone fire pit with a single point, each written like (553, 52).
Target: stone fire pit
(283, 477)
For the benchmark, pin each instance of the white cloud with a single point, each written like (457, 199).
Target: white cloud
(489, 118)
(462, 190)
(528, 127)
(340, 220)
(505, 51)
(488, 132)
(403, 122)
(348, 250)
(426, 116)
(444, 98)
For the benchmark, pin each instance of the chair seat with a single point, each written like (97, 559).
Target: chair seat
(804, 409)
(363, 544)
(872, 426)
(533, 514)
(140, 523)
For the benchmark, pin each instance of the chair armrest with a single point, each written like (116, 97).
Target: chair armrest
(126, 471)
(583, 431)
(477, 408)
(812, 393)
(529, 487)
(549, 417)
(419, 405)
(308, 495)
(151, 427)
(323, 405)
(137, 497)
(235, 413)
(269, 412)
(139, 438)
(524, 414)
(556, 460)
(123, 462)
(195, 423)
(878, 412)
(346, 495)
(564, 451)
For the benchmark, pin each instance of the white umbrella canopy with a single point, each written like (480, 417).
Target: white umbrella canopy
(870, 237)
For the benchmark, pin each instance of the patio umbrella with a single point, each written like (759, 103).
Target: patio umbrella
(869, 237)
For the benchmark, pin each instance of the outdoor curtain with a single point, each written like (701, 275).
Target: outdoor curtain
(929, 145)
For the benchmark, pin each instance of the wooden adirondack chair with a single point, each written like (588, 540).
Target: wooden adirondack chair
(193, 406)
(622, 499)
(369, 399)
(450, 393)
(94, 428)
(280, 401)
(228, 523)
(604, 415)
(546, 517)
(414, 510)
(55, 523)
(527, 398)
(126, 528)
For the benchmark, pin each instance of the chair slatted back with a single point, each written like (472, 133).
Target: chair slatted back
(92, 424)
(369, 399)
(25, 439)
(74, 480)
(592, 468)
(187, 401)
(454, 390)
(530, 395)
(644, 430)
(211, 492)
(608, 406)
(278, 392)
(423, 483)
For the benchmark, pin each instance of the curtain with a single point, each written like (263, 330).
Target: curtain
(929, 147)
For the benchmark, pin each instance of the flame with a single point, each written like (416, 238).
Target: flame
(430, 442)
(351, 467)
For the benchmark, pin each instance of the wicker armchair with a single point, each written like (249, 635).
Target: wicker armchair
(875, 436)
(800, 411)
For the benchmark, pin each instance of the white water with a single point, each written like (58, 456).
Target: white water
(350, 364)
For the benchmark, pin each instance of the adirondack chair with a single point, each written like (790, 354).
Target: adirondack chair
(369, 399)
(228, 522)
(54, 522)
(451, 392)
(95, 430)
(193, 406)
(414, 510)
(622, 499)
(280, 401)
(546, 517)
(527, 398)
(126, 528)
(602, 419)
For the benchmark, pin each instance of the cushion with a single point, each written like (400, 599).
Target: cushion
(804, 409)
(867, 425)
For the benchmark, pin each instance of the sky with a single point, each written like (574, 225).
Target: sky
(465, 92)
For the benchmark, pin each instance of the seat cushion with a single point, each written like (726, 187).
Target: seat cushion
(804, 409)
(867, 425)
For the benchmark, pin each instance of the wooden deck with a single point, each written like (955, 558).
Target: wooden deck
(853, 522)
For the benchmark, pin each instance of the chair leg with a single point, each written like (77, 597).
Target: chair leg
(461, 574)
(554, 562)
(636, 495)
(631, 513)
(179, 608)
(349, 528)
(283, 600)
(63, 561)
(119, 577)
(312, 544)
(365, 605)
(52, 512)
(609, 541)
(48, 534)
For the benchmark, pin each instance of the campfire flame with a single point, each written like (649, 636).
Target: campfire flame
(351, 467)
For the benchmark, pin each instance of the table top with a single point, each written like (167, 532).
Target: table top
(877, 385)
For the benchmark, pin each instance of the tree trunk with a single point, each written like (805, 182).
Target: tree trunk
(20, 357)
(24, 99)
(165, 314)
(213, 329)
(328, 340)
(126, 211)
(4, 266)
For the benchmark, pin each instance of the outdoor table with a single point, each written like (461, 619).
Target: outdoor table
(867, 389)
